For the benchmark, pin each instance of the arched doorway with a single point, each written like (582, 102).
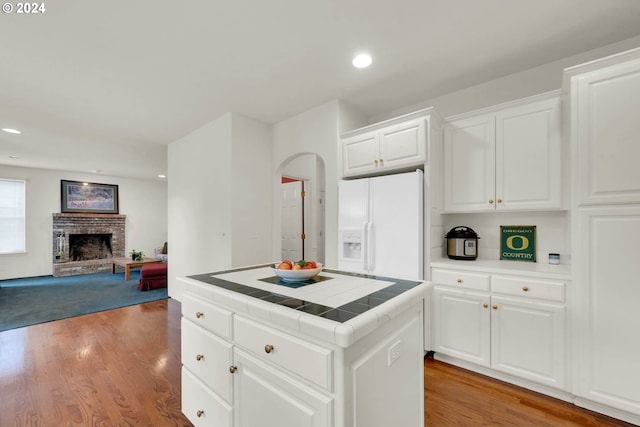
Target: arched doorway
(301, 208)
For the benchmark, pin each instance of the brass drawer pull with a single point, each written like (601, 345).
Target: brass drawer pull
(485, 305)
(525, 288)
(268, 348)
(233, 369)
(459, 280)
(200, 413)
(199, 357)
(495, 307)
(199, 314)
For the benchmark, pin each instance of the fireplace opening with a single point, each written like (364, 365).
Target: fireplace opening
(83, 247)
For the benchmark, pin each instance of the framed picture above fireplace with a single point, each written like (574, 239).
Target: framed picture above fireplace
(88, 197)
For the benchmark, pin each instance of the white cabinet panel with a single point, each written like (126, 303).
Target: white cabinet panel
(203, 407)
(360, 153)
(267, 398)
(607, 312)
(469, 165)
(297, 356)
(508, 160)
(462, 325)
(528, 157)
(385, 149)
(528, 339)
(207, 357)
(607, 129)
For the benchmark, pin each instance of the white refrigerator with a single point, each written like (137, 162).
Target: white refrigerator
(380, 225)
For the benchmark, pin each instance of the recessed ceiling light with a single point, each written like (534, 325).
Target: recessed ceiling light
(9, 130)
(162, 176)
(362, 60)
(11, 156)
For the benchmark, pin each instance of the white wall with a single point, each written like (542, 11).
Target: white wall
(199, 214)
(143, 202)
(251, 192)
(536, 80)
(219, 198)
(313, 132)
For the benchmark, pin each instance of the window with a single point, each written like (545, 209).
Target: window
(12, 223)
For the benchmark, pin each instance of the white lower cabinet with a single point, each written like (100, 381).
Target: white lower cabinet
(245, 372)
(528, 340)
(264, 396)
(517, 327)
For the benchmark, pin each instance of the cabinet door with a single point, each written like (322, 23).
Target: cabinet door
(606, 309)
(469, 165)
(528, 157)
(462, 324)
(360, 154)
(403, 145)
(203, 407)
(605, 134)
(266, 397)
(528, 340)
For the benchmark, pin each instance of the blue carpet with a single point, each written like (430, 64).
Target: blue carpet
(29, 301)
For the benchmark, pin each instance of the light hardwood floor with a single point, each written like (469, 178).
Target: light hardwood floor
(122, 368)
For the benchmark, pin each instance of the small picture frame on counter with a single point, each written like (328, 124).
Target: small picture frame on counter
(518, 243)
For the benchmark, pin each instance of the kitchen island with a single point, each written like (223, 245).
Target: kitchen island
(339, 350)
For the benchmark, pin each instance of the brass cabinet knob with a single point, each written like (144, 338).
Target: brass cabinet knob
(495, 307)
(381, 160)
(490, 201)
(525, 288)
(200, 413)
(233, 369)
(485, 305)
(268, 348)
(199, 314)
(499, 200)
(199, 357)
(376, 162)
(459, 280)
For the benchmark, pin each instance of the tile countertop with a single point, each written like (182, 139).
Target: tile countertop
(336, 306)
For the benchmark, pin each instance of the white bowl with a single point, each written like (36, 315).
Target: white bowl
(296, 275)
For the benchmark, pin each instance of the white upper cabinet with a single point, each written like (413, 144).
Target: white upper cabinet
(508, 159)
(605, 111)
(388, 146)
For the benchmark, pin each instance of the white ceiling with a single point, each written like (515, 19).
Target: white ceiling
(105, 85)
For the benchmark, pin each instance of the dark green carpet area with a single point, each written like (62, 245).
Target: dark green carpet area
(29, 301)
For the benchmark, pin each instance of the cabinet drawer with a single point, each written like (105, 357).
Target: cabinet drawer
(474, 281)
(201, 406)
(303, 358)
(525, 287)
(207, 315)
(207, 357)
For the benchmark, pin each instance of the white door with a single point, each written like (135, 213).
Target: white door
(607, 307)
(528, 340)
(292, 220)
(395, 232)
(462, 325)
(403, 144)
(265, 397)
(469, 165)
(360, 154)
(528, 156)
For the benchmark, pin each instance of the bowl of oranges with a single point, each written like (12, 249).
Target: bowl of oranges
(296, 271)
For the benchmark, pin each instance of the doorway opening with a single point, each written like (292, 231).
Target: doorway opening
(301, 209)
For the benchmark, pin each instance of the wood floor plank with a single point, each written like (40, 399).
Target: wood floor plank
(122, 368)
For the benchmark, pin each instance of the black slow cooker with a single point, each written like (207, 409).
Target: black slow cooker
(462, 243)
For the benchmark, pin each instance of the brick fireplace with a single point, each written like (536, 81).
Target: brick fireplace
(85, 243)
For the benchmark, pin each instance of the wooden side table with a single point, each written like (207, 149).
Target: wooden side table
(128, 263)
